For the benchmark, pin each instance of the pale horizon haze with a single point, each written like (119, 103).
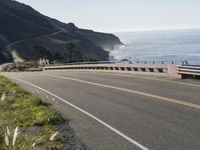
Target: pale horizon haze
(122, 15)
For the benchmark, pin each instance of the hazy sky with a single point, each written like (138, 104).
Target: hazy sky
(122, 15)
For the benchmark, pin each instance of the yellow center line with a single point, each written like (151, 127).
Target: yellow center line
(157, 97)
(148, 78)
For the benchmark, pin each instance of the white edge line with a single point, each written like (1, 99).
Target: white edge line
(88, 114)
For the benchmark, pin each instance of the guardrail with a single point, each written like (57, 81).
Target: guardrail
(187, 71)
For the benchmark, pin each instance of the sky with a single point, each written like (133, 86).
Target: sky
(122, 15)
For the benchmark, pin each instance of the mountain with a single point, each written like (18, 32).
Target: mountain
(5, 56)
(30, 35)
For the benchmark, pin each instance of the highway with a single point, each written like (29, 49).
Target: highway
(113, 111)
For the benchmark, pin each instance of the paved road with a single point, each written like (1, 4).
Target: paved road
(122, 112)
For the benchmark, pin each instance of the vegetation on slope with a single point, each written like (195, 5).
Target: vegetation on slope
(27, 123)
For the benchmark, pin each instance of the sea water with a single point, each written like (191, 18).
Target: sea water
(173, 45)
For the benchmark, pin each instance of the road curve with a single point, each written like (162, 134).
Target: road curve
(122, 112)
(10, 46)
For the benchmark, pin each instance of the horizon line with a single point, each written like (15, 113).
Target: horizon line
(147, 30)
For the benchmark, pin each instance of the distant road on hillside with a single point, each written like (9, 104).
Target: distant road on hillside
(9, 46)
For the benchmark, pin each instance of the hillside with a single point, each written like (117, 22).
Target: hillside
(4, 54)
(34, 36)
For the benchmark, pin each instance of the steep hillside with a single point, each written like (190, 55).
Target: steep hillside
(63, 46)
(19, 21)
(104, 40)
(5, 56)
(23, 29)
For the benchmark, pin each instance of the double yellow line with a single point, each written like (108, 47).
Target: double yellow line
(156, 97)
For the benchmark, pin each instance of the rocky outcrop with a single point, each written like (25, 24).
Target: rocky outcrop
(104, 40)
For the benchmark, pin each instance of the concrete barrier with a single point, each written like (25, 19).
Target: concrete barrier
(164, 69)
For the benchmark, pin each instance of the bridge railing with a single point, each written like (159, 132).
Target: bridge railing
(122, 62)
(164, 69)
(83, 63)
(162, 62)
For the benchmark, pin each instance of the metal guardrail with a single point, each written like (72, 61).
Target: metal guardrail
(187, 71)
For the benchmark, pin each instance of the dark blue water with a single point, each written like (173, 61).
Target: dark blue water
(174, 45)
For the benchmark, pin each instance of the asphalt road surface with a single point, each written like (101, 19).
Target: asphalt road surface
(111, 111)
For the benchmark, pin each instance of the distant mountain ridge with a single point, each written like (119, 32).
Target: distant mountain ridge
(24, 30)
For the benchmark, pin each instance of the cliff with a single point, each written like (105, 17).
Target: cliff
(33, 36)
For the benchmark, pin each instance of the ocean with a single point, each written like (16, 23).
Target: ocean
(173, 45)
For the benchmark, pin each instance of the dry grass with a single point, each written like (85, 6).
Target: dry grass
(26, 122)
